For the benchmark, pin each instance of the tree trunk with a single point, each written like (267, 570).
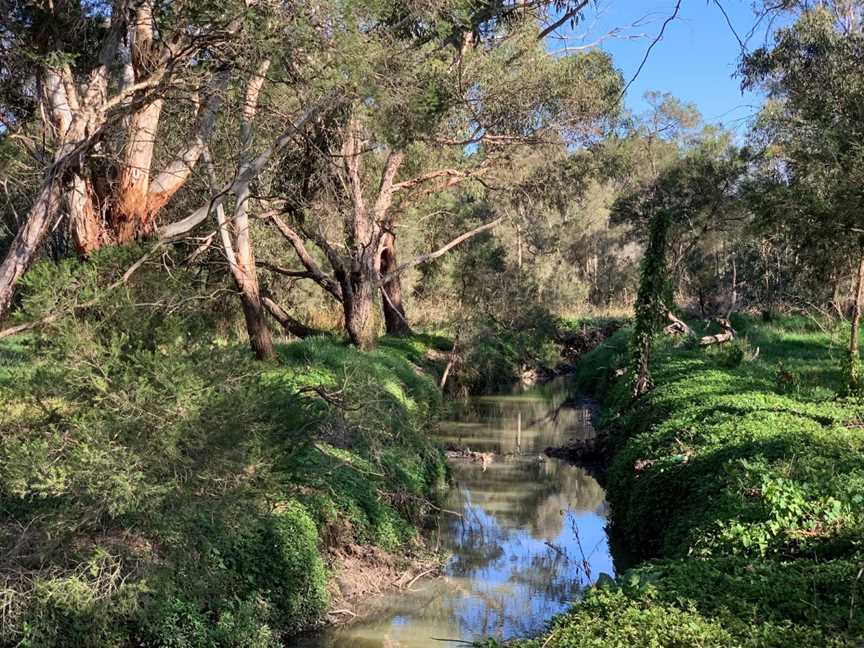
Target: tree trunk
(130, 214)
(26, 243)
(395, 321)
(253, 308)
(854, 357)
(358, 299)
(84, 222)
(241, 262)
(260, 338)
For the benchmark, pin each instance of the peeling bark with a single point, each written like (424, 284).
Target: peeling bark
(84, 222)
(27, 241)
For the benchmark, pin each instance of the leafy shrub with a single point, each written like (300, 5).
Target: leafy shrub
(205, 484)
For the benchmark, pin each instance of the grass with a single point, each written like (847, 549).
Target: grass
(736, 492)
(158, 487)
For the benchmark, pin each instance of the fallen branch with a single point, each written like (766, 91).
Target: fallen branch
(419, 576)
(726, 335)
(451, 360)
(53, 317)
(677, 326)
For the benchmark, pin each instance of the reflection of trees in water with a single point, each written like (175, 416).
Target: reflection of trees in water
(503, 579)
(517, 424)
(516, 585)
(524, 493)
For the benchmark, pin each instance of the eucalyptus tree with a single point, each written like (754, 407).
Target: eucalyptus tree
(85, 85)
(457, 102)
(813, 133)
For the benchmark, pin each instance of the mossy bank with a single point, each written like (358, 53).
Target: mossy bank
(736, 489)
(158, 487)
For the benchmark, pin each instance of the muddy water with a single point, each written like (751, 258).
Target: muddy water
(530, 536)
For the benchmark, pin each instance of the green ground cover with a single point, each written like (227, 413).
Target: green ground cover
(158, 487)
(737, 492)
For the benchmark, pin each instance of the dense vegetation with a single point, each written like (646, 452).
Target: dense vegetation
(249, 247)
(159, 487)
(736, 486)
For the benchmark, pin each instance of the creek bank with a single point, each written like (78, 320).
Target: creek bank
(738, 497)
(212, 500)
(573, 339)
(361, 571)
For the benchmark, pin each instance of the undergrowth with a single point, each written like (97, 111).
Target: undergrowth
(160, 488)
(736, 491)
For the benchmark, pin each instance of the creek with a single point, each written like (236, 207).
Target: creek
(529, 537)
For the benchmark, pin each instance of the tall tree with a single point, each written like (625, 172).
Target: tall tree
(813, 127)
(100, 117)
(439, 121)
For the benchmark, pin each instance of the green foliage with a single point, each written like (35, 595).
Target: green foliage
(497, 355)
(730, 491)
(177, 492)
(649, 302)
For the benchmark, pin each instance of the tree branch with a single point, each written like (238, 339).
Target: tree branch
(385, 190)
(563, 19)
(426, 258)
(433, 175)
(248, 171)
(175, 174)
(291, 325)
(306, 259)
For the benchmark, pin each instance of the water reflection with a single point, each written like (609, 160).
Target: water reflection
(531, 535)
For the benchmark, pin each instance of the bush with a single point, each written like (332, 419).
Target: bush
(177, 492)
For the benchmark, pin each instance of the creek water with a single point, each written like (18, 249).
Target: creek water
(530, 538)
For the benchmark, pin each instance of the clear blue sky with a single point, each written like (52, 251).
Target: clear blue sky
(695, 60)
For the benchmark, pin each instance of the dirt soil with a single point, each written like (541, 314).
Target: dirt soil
(365, 570)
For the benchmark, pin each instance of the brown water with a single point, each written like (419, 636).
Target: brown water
(530, 538)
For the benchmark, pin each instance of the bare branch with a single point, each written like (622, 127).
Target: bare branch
(426, 258)
(306, 259)
(175, 174)
(385, 190)
(432, 175)
(248, 171)
(293, 326)
(651, 47)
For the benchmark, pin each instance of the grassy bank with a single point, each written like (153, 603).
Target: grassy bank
(160, 488)
(737, 487)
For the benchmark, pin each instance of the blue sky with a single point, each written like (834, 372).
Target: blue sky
(695, 60)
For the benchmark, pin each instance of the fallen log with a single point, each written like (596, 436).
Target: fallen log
(677, 326)
(726, 335)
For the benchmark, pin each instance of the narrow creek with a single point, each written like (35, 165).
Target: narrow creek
(530, 537)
